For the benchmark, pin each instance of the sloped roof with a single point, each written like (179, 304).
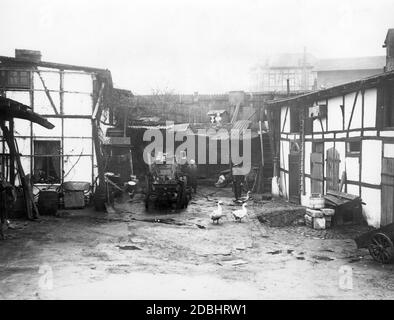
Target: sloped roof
(359, 63)
(102, 73)
(333, 91)
(390, 33)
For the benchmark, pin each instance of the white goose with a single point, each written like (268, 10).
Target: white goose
(241, 213)
(218, 213)
(245, 198)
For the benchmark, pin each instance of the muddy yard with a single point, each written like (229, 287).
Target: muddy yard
(135, 254)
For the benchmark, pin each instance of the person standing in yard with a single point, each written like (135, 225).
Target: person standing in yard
(237, 182)
(192, 174)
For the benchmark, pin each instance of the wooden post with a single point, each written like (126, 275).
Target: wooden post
(12, 155)
(96, 139)
(260, 186)
(29, 199)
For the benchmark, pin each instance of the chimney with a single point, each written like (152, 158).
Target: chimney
(389, 45)
(28, 55)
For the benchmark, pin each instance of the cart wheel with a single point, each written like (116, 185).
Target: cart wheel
(381, 248)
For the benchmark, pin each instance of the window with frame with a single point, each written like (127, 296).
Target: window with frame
(46, 161)
(353, 148)
(15, 79)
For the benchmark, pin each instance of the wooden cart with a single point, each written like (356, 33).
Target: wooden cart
(379, 243)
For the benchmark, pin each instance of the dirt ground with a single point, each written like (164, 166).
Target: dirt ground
(133, 254)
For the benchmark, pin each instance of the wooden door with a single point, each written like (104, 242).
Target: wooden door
(387, 196)
(332, 169)
(317, 172)
(294, 177)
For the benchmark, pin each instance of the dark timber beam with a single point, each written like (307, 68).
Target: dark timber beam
(47, 92)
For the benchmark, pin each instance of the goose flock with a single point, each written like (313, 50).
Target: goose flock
(238, 215)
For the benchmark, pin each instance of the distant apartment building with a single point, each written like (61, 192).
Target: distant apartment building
(304, 72)
(279, 71)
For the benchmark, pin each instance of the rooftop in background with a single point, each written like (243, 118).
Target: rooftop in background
(358, 63)
(341, 89)
(288, 60)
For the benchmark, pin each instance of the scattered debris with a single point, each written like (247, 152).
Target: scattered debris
(275, 252)
(323, 258)
(129, 247)
(282, 216)
(355, 260)
(289, 251)
(164, 220)
(137, 240)
(236, 262)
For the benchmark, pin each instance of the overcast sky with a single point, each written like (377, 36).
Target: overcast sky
(204, 46)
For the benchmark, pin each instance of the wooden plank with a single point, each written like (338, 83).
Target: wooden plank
(95, 133)
(334, 200)
(351, 115)
(294, 177)
(284, 121)
(316, 173)
(29, 199)
(347, 196)
(387, 193)
(98, 102)
(332, 169)
(12, 155)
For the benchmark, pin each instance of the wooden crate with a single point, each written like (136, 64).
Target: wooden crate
(74, 199)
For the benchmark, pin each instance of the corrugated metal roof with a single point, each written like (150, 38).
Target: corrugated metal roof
(181, 127)
(241, 124)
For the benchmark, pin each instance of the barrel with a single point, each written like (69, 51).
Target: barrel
(48, 202)
(99, 199)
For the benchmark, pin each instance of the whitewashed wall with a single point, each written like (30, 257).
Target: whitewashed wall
(370, 98)
(284, 164)
(334, 114)
(75, 135)
(369, 162)
(356, 120)
(285, 120)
